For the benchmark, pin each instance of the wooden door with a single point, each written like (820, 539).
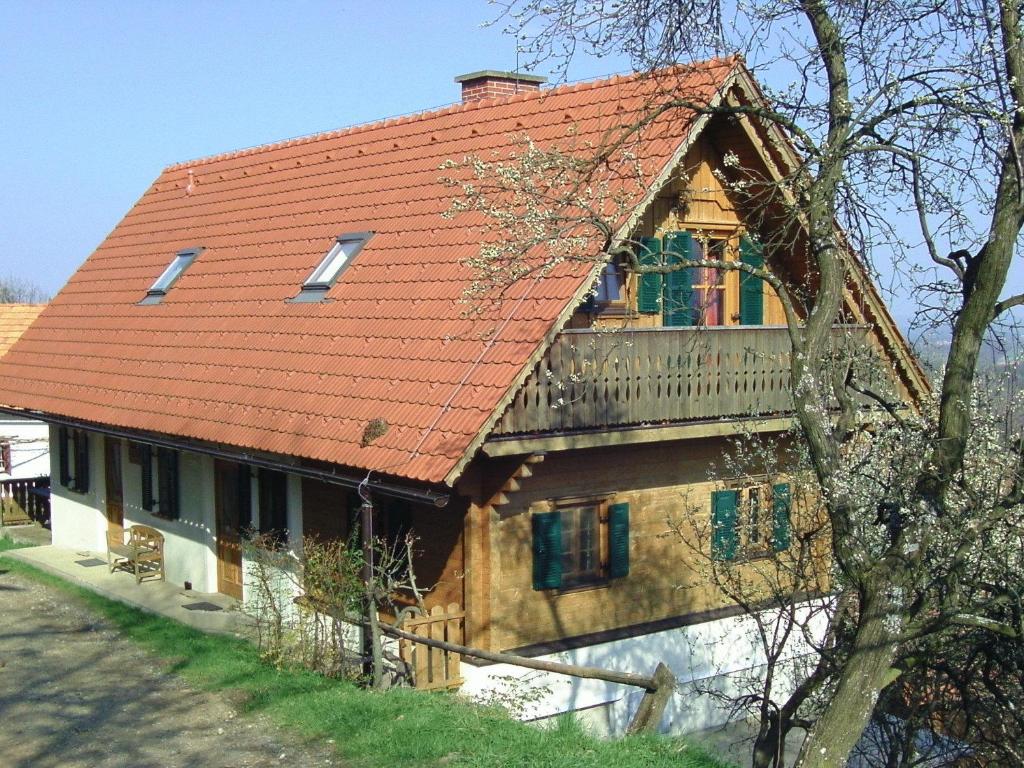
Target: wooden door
(114, 487)
(232, 512)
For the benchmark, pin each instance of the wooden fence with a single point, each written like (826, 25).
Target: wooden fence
(435, 668)
(19, 505)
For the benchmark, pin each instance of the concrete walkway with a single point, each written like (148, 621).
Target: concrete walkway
(202, 610)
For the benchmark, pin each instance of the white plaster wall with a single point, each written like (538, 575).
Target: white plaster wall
(30, 447)
(189, 550)
(722, 654)
(286, 583)
(76, 521)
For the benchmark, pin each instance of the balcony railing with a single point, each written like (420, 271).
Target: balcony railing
(653, 376)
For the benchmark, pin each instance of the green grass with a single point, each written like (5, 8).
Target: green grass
(399, 727)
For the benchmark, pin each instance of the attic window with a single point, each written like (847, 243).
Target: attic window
(333, 264)
(182, 261)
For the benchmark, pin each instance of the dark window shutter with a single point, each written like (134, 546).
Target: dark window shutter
(81, 441)
(62, 452)
(273, 503)
(244, 497)
(751, 288)
(780, 517)
(547, 550)
(648, 295)
(148, 501)
(725, 538)
(167, 468)
(618, 540)
(677, 302)
(5, 458)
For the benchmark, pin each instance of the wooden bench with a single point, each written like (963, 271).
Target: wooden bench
(139, 549)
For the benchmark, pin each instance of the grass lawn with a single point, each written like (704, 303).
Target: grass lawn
(400, 727)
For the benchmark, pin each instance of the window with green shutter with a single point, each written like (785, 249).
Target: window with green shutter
(724, 534)
(751, 287)
(146, 462)
(750, 521)
(618, 540)
(73, 458)
(168, 504)
(63, 454)
(80, 481)
(273, 506)
(649, 284)
(547, 550)
(781, 503)
(677, 297)
(583, 542)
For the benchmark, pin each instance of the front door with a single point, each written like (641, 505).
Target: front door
(232, 507)
(115, 494)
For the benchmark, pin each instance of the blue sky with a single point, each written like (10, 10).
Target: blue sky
(97, 97)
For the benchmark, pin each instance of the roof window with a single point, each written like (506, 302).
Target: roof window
(182, 261)
(333, 264)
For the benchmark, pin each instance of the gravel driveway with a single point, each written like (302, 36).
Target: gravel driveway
(62, 702)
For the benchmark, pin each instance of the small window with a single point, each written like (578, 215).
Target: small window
(166, 502)
(182, 261)
(273, 489)
(5, 458)
(73, 459)
(750, 521)
(333, 264)
(580, 544)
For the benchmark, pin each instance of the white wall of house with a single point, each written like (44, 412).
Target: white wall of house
(76, 519)
(190, 550)
(722, 654)
(30, 446)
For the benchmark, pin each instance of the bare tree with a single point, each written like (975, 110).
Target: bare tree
(896, 112)
(16, 290)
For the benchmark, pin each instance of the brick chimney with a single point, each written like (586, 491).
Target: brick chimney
(491, 84)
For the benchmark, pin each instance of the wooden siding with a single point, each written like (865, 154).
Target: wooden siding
(696, 202)
(595, 379)
(663, 483)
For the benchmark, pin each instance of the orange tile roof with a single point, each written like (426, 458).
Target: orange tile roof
(14, 320)
(225, 358)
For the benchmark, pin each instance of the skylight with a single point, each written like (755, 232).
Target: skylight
(178, 265)
(333, 264)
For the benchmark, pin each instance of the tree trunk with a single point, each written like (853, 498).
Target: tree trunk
(846, 716)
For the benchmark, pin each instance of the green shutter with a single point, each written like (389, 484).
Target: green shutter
(62, 453)
(618, 540)
(780, 513)
(167, 467)
(81, 441)
(648, 295)
(725, 538)
(146, 458)
(751, 288)
(677, 309)
(547, 550)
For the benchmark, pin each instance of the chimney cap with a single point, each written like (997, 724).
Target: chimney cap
(521, 77)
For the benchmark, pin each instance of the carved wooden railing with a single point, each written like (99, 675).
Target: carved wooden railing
(598, 379)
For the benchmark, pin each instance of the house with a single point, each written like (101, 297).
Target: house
(24, 442)
(268, 330)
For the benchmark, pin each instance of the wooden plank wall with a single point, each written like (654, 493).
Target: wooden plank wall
(662, 483)
(696, 202)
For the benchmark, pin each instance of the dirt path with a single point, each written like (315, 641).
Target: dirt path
(62, 703)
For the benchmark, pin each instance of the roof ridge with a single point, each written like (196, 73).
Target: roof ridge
(451, 108)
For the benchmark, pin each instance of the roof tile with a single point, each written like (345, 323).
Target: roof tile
(226, 358)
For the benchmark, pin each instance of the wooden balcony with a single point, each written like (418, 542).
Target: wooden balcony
(592, 380)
